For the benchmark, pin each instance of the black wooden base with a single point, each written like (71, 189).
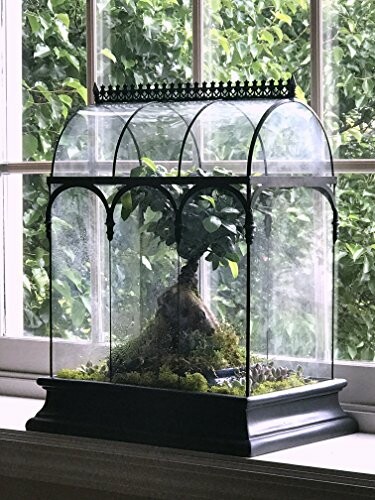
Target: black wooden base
(196, 421)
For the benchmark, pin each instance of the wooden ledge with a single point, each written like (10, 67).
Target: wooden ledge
(125, 470)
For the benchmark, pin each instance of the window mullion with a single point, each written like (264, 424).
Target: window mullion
(316, 46)
(91, 48)
(198, 12)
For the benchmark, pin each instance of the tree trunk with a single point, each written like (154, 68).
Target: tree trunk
(181, 308)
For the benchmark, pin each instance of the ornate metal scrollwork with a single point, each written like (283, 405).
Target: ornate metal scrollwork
(264, 89)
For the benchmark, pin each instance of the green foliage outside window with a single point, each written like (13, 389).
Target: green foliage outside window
(149, 40)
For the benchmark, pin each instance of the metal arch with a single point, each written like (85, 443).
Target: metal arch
(191, 192)
(196, 189)
(127, 127)
(255, 136)
(323, 130)
(327, 192)
(125, 189)
(252, 124)
(264, 118)
(106, 106)
(324, 190)
(187, 135)
(168, 104)
(63, 188)
(122, 135)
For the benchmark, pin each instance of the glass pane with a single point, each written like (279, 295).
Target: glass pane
(349, 59)
(35, 256)
(54, 71)
(144, 267)
(144, 42)
(292, 281)
(247, 40)
(356, 268)
(80, 277)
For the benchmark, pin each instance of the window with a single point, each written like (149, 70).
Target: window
(67, 45)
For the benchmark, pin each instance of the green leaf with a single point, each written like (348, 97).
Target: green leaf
(234, 268)
(74, 277)
(146, 262)
(267, 36)
(231, 228)
(64, 18)
(108, 53)
(127, 205)
(215, 5)
(76, 85)
(210, 199)
(66, 99)
(358, 253)
(78, 313)
(30, 145)
(149, 163)
(34, 23)
(352, 351)
(41, 50)
(211, 223)
(62, 29)
(279, 32)
(283, 17)
(366, 266)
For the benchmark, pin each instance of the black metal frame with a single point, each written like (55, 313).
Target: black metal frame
(263, 89)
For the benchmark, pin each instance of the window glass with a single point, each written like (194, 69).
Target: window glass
(35, 257)
(144, 41)
(349, 59)
(53, 70)
(265, 39)
(356, 268)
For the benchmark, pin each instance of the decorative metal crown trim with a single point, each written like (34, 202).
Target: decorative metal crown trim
(263, 89)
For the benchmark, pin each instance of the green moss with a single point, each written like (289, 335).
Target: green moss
(77, 374)
(184, 352)
(291, 381)
(164, 379)
(187, 362)
(89, 371)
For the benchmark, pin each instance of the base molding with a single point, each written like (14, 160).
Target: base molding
(196, 421)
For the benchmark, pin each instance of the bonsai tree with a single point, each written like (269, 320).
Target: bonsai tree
(184, 335)
(212, 226)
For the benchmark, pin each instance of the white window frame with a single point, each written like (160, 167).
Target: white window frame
(23, 359)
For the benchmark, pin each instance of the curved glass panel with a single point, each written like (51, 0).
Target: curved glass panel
(223, 131)
(87, 144)
(291, 141)
(158, 131)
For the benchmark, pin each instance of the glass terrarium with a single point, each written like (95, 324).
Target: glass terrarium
(192, 234)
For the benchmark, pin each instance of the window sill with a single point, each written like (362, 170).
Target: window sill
(341, 467)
